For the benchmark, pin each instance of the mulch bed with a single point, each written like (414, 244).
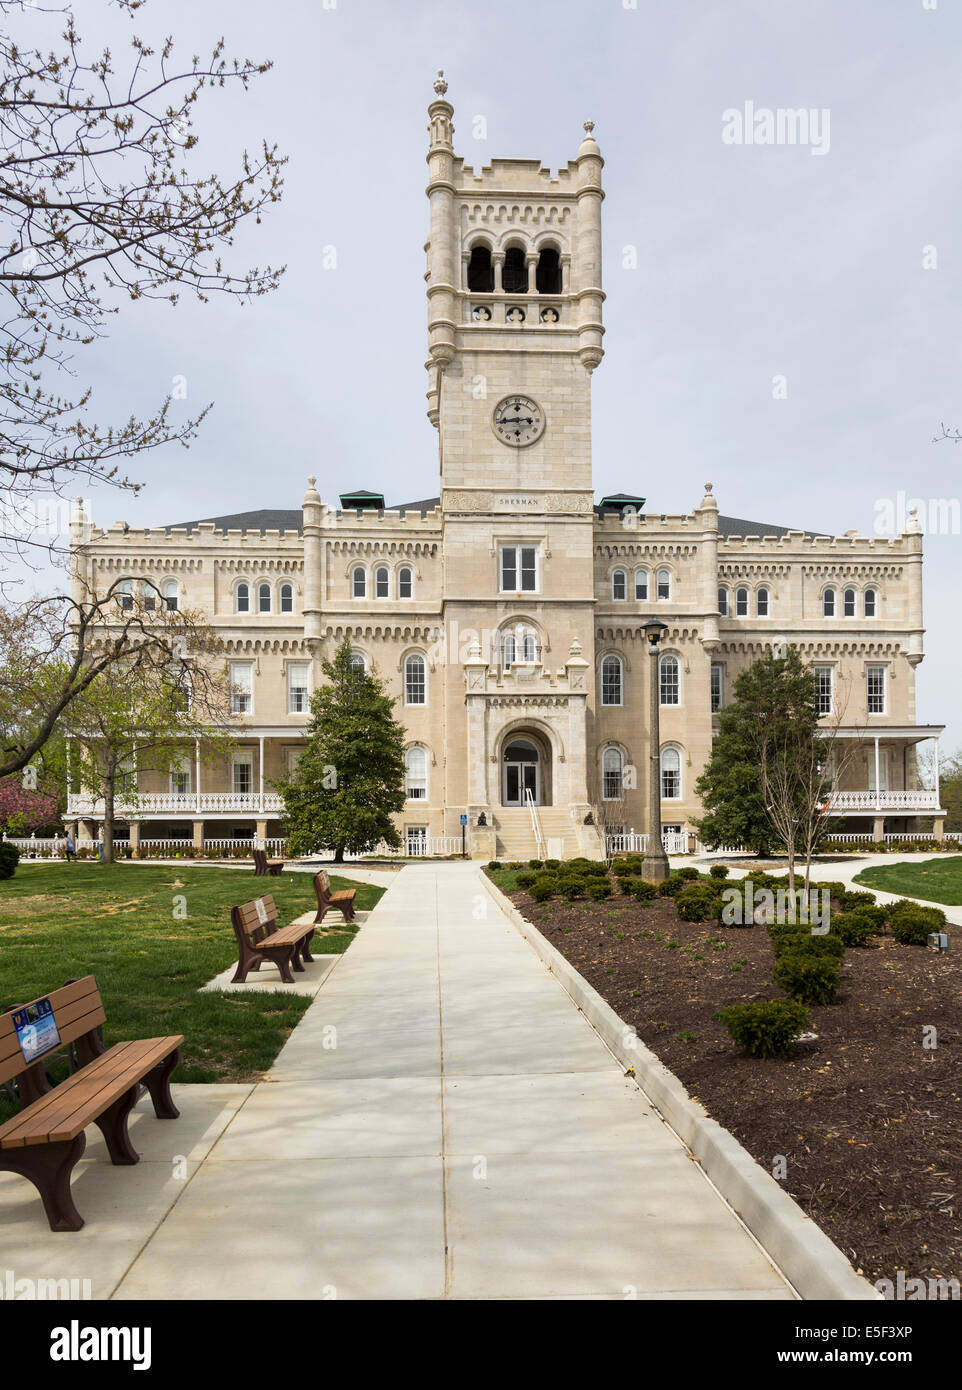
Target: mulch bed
(868, 1120)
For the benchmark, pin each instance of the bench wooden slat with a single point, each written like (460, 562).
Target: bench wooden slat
(68, 1108)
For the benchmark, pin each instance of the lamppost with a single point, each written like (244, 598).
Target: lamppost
(654, 866)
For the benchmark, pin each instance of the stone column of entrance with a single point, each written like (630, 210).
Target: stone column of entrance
(483, 841)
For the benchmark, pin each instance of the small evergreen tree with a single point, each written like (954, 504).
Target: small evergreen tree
(729, 787)
(350, 779)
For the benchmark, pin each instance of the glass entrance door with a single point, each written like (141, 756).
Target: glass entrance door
(520, 773)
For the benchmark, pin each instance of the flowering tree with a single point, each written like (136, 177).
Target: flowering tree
(24, 810)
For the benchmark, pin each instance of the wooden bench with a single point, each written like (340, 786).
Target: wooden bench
(259, 938)
(344, 899)
(263, 865)
(44, 1141)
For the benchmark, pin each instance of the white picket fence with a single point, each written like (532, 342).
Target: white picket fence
(675, 842)
(421, 847)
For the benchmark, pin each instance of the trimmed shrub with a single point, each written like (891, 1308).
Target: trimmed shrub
(766, 1027)
(552, 863)
(496, 865)
(525, 880)
(912, 928)
(907, 907)
(718, 871)
(627, 885)
(800, 939)
(689, 872)
(543, 888)
(809, 976)
(644, 891)
(9, 859)
(572, 888)
(672, 886)
(696, 903)
(534, 864)
(599, 891)
(849, 900)
(857, 928)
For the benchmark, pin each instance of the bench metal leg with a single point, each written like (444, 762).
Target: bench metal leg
(281, 956)
(113, 1126)
(305, 945)
(158, 1084)
(48, 1167)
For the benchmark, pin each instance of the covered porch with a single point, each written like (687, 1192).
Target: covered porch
(878, 789)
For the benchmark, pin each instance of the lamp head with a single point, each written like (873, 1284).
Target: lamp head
(654, 630)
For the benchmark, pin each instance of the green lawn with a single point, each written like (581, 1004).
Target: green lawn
(117, 922)
(936, 880)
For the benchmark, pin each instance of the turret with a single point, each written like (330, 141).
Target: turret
(441, 247)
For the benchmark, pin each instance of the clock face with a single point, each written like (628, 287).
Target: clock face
(518, 420)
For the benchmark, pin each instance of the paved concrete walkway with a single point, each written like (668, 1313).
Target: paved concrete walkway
(445, 1123)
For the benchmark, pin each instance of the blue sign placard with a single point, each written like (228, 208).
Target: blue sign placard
(464, 820)
(36, 1029)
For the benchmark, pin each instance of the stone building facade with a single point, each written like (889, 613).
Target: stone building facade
(505, 614)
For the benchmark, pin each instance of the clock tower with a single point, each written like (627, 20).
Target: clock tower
(514, 334)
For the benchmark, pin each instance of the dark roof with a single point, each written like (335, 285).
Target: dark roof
(264, 520)
(735, 526)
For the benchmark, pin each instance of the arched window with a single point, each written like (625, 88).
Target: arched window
(242, 598)
(405, 583)
(761, 603)
(358, 661)
(611, 683)
(548, 279)
(723, 602)
(514, 273)
(287, 598)
(641, 585)
(612, 782)
(382, 582)
(669, 680)
(480, 270)
(619, 585)
(670, 774)
(415, 684)
(518, 645)
(125, 595)
(263, 598)
(871, 603)
(664, 584)
(169, 589)
(741, 603)
(828, 603)
(848, 603)
(416, 774)
(358, 582)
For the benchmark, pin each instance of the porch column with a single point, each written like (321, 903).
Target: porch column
(937, 792)
(260, 803)
(878, 829)
(198, 834)
(878, 789)
(197, 781)
(134, 826)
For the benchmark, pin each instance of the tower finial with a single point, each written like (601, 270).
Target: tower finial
(440, 86)
(589, 127)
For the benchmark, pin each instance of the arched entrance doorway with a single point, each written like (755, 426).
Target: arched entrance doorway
(521, 772)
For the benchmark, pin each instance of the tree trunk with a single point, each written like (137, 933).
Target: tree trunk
(108, 845)
(339, 855)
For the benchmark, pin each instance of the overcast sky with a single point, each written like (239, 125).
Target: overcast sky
(752, 261)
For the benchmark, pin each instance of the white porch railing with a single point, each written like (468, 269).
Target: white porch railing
(675, 842)
(425, 847)
(171, 803)
(917, 800)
